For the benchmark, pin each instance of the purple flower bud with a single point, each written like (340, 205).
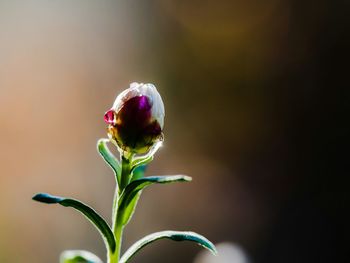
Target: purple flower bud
(136, 120)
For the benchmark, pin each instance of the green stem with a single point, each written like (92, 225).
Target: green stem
(118, 233)
(113, 257)
(115, 205)
(125, 176)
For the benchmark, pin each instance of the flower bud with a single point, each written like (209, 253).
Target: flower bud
(136, 119)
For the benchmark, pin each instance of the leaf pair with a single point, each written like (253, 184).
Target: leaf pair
(82, 256)
(127, 204)
(130, 195)
(114, 163)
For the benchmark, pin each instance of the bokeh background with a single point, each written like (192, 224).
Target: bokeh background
(257, 103)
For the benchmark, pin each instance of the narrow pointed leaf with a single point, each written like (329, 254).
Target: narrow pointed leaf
(138, 172)
(148, 157)
(139, 162)
(79, 256)
(130, 195)
(108, 157)
(137, 185)
(173, 235)
(129, 210)
(91, 214)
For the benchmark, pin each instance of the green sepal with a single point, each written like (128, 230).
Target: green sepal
(173, 235)
(79, 256)
(129, 197)
(109, 158)
(87, 211)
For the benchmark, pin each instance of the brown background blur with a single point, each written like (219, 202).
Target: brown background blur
(256, 96)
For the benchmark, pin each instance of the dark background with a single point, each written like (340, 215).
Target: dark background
(257, 105)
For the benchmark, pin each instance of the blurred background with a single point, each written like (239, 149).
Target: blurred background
(257, 103)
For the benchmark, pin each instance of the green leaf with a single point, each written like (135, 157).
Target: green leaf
(141, 161)
(78, 256)
(130, 209)
(173, 235)
(138, 172)
(130, 195)
(146, 158)
(91, 214)
(109, 158)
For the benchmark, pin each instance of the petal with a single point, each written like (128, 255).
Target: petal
(110, 117)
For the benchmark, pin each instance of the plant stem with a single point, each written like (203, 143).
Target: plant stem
(118, 232)
(113, 257)
(125, 176)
